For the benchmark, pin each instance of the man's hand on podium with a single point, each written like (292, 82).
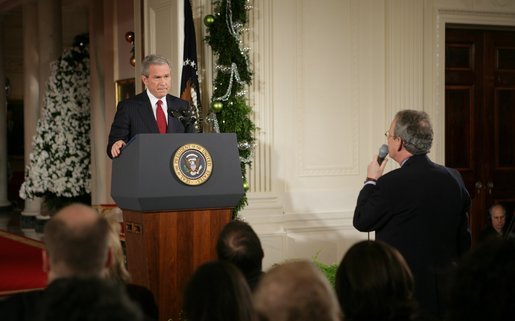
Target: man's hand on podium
(116, 148)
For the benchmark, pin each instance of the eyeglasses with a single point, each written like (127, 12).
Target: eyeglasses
(387, 134)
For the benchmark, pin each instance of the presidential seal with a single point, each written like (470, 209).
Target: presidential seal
(192, 164)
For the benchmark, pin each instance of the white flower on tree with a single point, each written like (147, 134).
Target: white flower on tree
(60, 158)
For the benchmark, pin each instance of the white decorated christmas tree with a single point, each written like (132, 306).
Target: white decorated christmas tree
(59, 168)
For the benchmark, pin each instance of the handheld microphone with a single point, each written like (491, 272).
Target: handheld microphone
(383, 151)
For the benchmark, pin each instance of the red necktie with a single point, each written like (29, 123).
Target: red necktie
(161, 119)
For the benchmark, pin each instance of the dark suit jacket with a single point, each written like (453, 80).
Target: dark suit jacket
(25, 306)
(422, 210)
(145, 300)
(135, 116)
(30, 306)
(488, 233)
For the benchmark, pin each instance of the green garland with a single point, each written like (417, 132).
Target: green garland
(229, 111)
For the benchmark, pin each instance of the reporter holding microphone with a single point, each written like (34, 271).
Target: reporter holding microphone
(421, 208)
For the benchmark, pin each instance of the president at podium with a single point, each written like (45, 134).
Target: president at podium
(152, 111)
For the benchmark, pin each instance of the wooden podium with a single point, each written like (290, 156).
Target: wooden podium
(172, 220)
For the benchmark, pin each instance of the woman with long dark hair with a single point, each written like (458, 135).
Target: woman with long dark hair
(373, 282)
(217, 291)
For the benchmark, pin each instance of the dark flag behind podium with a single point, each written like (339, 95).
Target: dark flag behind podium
(190, 90)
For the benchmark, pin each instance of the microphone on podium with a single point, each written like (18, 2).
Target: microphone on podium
(383, 151)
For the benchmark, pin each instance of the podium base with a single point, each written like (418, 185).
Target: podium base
(165, 248)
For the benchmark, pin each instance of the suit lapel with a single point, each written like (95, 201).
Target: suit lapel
(146, 113)
(171, 120)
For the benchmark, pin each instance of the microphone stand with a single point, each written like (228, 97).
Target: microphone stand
(185, 117)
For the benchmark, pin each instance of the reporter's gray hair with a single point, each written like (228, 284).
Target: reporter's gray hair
(152, 60)
(415, 130)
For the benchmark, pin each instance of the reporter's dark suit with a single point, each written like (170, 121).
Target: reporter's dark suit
(135, 116)
(420, 209)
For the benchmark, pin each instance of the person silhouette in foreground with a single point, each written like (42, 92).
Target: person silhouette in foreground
(298, 291)
(118, 272)
(483, 284)
(87, 298)
(217, 291)
(240, 245)
(373, 282)
(77, 246)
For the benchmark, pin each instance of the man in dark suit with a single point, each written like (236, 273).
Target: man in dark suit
(76, 245)
(421, 208)
(145, 112)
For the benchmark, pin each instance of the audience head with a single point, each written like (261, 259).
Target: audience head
(296, 291)
(76, 240)
(117, 269)
(414, 129)
(84, 299)
(498, 217)
(118, 273)
(373, 282)
(217, 291)
(240, 245)
(483, 286)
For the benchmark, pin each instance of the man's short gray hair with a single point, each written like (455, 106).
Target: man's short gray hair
(415, 130)
(152, 60)
(490, 210)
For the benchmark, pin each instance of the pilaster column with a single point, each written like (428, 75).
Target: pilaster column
(30, 97)
(42, 35)
(4, 202)
(98, 62)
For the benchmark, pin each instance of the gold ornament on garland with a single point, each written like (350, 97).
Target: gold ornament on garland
(209, 19)
(246, 185)
(217, 106)
(129, 37)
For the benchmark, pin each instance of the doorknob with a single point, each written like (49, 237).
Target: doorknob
(490, 186)
(479, 186)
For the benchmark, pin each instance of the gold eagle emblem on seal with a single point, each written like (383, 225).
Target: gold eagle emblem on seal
(192, 164)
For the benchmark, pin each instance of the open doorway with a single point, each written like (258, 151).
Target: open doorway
(480, 115)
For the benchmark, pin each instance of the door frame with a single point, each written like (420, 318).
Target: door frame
(441, 19)
(435, 95)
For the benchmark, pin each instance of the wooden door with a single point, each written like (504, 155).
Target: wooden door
(480, 116)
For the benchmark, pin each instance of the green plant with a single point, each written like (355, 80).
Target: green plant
(329, 270)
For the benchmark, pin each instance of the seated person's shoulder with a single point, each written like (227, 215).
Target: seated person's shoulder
(21, 306)
(144, 298)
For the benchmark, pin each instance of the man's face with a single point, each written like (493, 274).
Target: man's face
(392, 141)
(159, 80)
(498, 218)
